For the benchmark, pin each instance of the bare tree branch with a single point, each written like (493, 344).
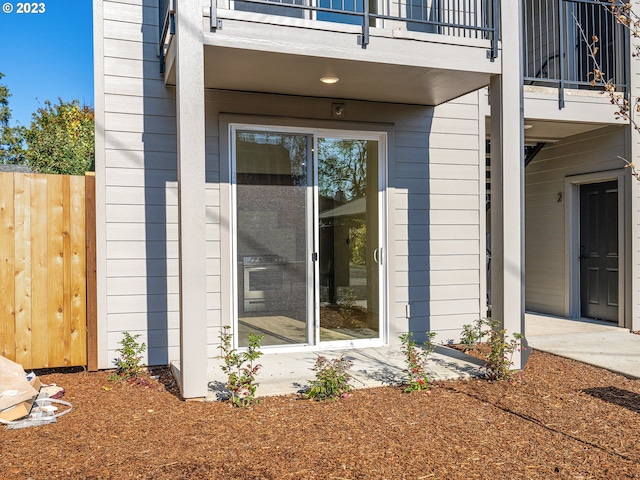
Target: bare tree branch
(625, 16)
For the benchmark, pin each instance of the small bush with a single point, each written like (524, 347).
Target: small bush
(332, 379)
(416, 359)
(241, 368)
(500, 349)
(470, 337)
(129, 365)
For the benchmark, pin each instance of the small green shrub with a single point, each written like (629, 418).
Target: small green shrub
(500, 348)
(332, 379)
(129, 365)
(470, 336)
(241, 369)
(416, 359)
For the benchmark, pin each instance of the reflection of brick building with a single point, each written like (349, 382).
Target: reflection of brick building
(271, 220)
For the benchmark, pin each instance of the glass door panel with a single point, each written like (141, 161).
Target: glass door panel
(348, 233)
(272, 237)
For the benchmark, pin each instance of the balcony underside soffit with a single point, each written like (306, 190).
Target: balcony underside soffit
(549, 131)
(266, 72)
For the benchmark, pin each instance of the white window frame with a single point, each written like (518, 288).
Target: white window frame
(381, 136)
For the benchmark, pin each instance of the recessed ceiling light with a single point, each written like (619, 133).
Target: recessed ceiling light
(527, 126)
(329, 80)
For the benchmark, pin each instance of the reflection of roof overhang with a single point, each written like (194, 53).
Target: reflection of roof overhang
(355, 208)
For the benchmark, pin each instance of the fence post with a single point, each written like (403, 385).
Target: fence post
(92, 310)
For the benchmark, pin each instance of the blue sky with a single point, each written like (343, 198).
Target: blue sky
(46, 55)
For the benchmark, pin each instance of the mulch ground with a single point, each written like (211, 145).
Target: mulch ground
(557, 419)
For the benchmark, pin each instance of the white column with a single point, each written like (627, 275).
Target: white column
(191, 197)
(507, 179)
(632, 293)
(100, 168)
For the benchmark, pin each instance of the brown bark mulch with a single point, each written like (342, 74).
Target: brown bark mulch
(557, 419)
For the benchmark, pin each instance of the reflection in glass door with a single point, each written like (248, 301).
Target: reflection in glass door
(272, 237)
(348, 232)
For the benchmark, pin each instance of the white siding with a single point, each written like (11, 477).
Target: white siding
(433, 203)
(140, 185)
(434, 199)
(545, 213)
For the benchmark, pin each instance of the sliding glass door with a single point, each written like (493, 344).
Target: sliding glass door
(272, 236)
(307, 248)
(349, 253)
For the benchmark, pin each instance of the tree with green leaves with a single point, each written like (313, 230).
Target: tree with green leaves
(61, 138)
(11, 139)
(343, 167)
(5, 113)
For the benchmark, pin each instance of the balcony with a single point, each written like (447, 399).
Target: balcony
(422, 52)
(556, 52)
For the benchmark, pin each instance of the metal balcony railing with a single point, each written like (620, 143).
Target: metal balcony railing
(556, 53)
(455, 18)
(166, 11)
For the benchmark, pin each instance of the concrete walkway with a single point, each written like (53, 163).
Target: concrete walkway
(588, 341)
(286, 373)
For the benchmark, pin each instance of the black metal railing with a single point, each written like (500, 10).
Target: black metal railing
(456, 18)
(557, 34)
(165, 21)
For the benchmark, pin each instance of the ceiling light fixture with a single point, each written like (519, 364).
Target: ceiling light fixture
(329, 80)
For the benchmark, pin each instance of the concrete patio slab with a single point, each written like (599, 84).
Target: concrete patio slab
(593, 342)
(287, 373)
(596, 343)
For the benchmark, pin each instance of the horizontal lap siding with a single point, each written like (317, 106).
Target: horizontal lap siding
(545, 219)
(435, 219)
(434, 201)
(140, 185)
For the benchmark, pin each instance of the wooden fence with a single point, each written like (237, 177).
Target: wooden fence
(47, 261)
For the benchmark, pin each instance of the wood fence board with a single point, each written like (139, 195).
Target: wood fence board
(7, 279)
(92, 301)
(66, 266)
(43, 269)
(40, 280)
(78, 273)
(22, 189)
(55, 240)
